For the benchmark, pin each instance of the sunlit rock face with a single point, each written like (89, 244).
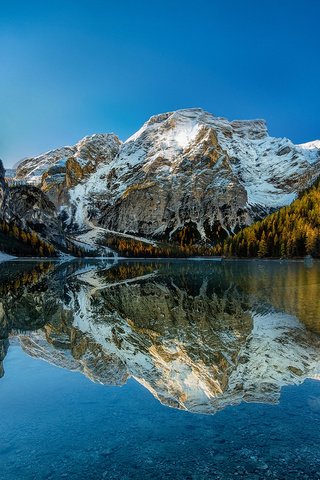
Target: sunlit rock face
(198, 336)
(187, 168)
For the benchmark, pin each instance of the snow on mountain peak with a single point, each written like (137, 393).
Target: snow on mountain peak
(311, 150)
(90, 148)
(310, 145)
(184, 125)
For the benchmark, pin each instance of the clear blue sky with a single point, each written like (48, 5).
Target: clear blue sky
(72, 68)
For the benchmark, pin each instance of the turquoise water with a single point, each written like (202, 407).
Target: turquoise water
(58, 423)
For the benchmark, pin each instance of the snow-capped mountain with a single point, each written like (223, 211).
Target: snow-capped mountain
(183, 168)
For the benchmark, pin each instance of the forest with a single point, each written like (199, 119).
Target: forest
(129, 247)
(16, 241)
(292, 231)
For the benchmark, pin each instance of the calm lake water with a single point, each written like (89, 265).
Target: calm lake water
(159, 369)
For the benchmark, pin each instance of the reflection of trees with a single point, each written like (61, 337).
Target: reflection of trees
(291, 287)
(12, 280)
(28, 298)
(125, 271)
(287, 286)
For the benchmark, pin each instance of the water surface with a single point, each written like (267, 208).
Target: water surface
(159, 369)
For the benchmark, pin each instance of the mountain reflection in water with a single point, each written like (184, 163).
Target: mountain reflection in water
(198, 335)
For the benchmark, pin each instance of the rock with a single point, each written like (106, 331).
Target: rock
(36, 212)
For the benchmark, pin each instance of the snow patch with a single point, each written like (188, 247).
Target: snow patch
(310, 145)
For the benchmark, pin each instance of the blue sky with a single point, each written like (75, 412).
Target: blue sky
(72, 68)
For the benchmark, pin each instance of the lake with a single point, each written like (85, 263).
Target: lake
(158, 369)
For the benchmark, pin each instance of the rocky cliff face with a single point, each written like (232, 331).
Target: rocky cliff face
(28, 208)
(36, 212)
(2, 185)
(184, 168)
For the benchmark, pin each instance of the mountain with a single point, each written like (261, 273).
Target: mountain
(185, 173)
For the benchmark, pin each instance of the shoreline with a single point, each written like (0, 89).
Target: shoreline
(199, 259)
